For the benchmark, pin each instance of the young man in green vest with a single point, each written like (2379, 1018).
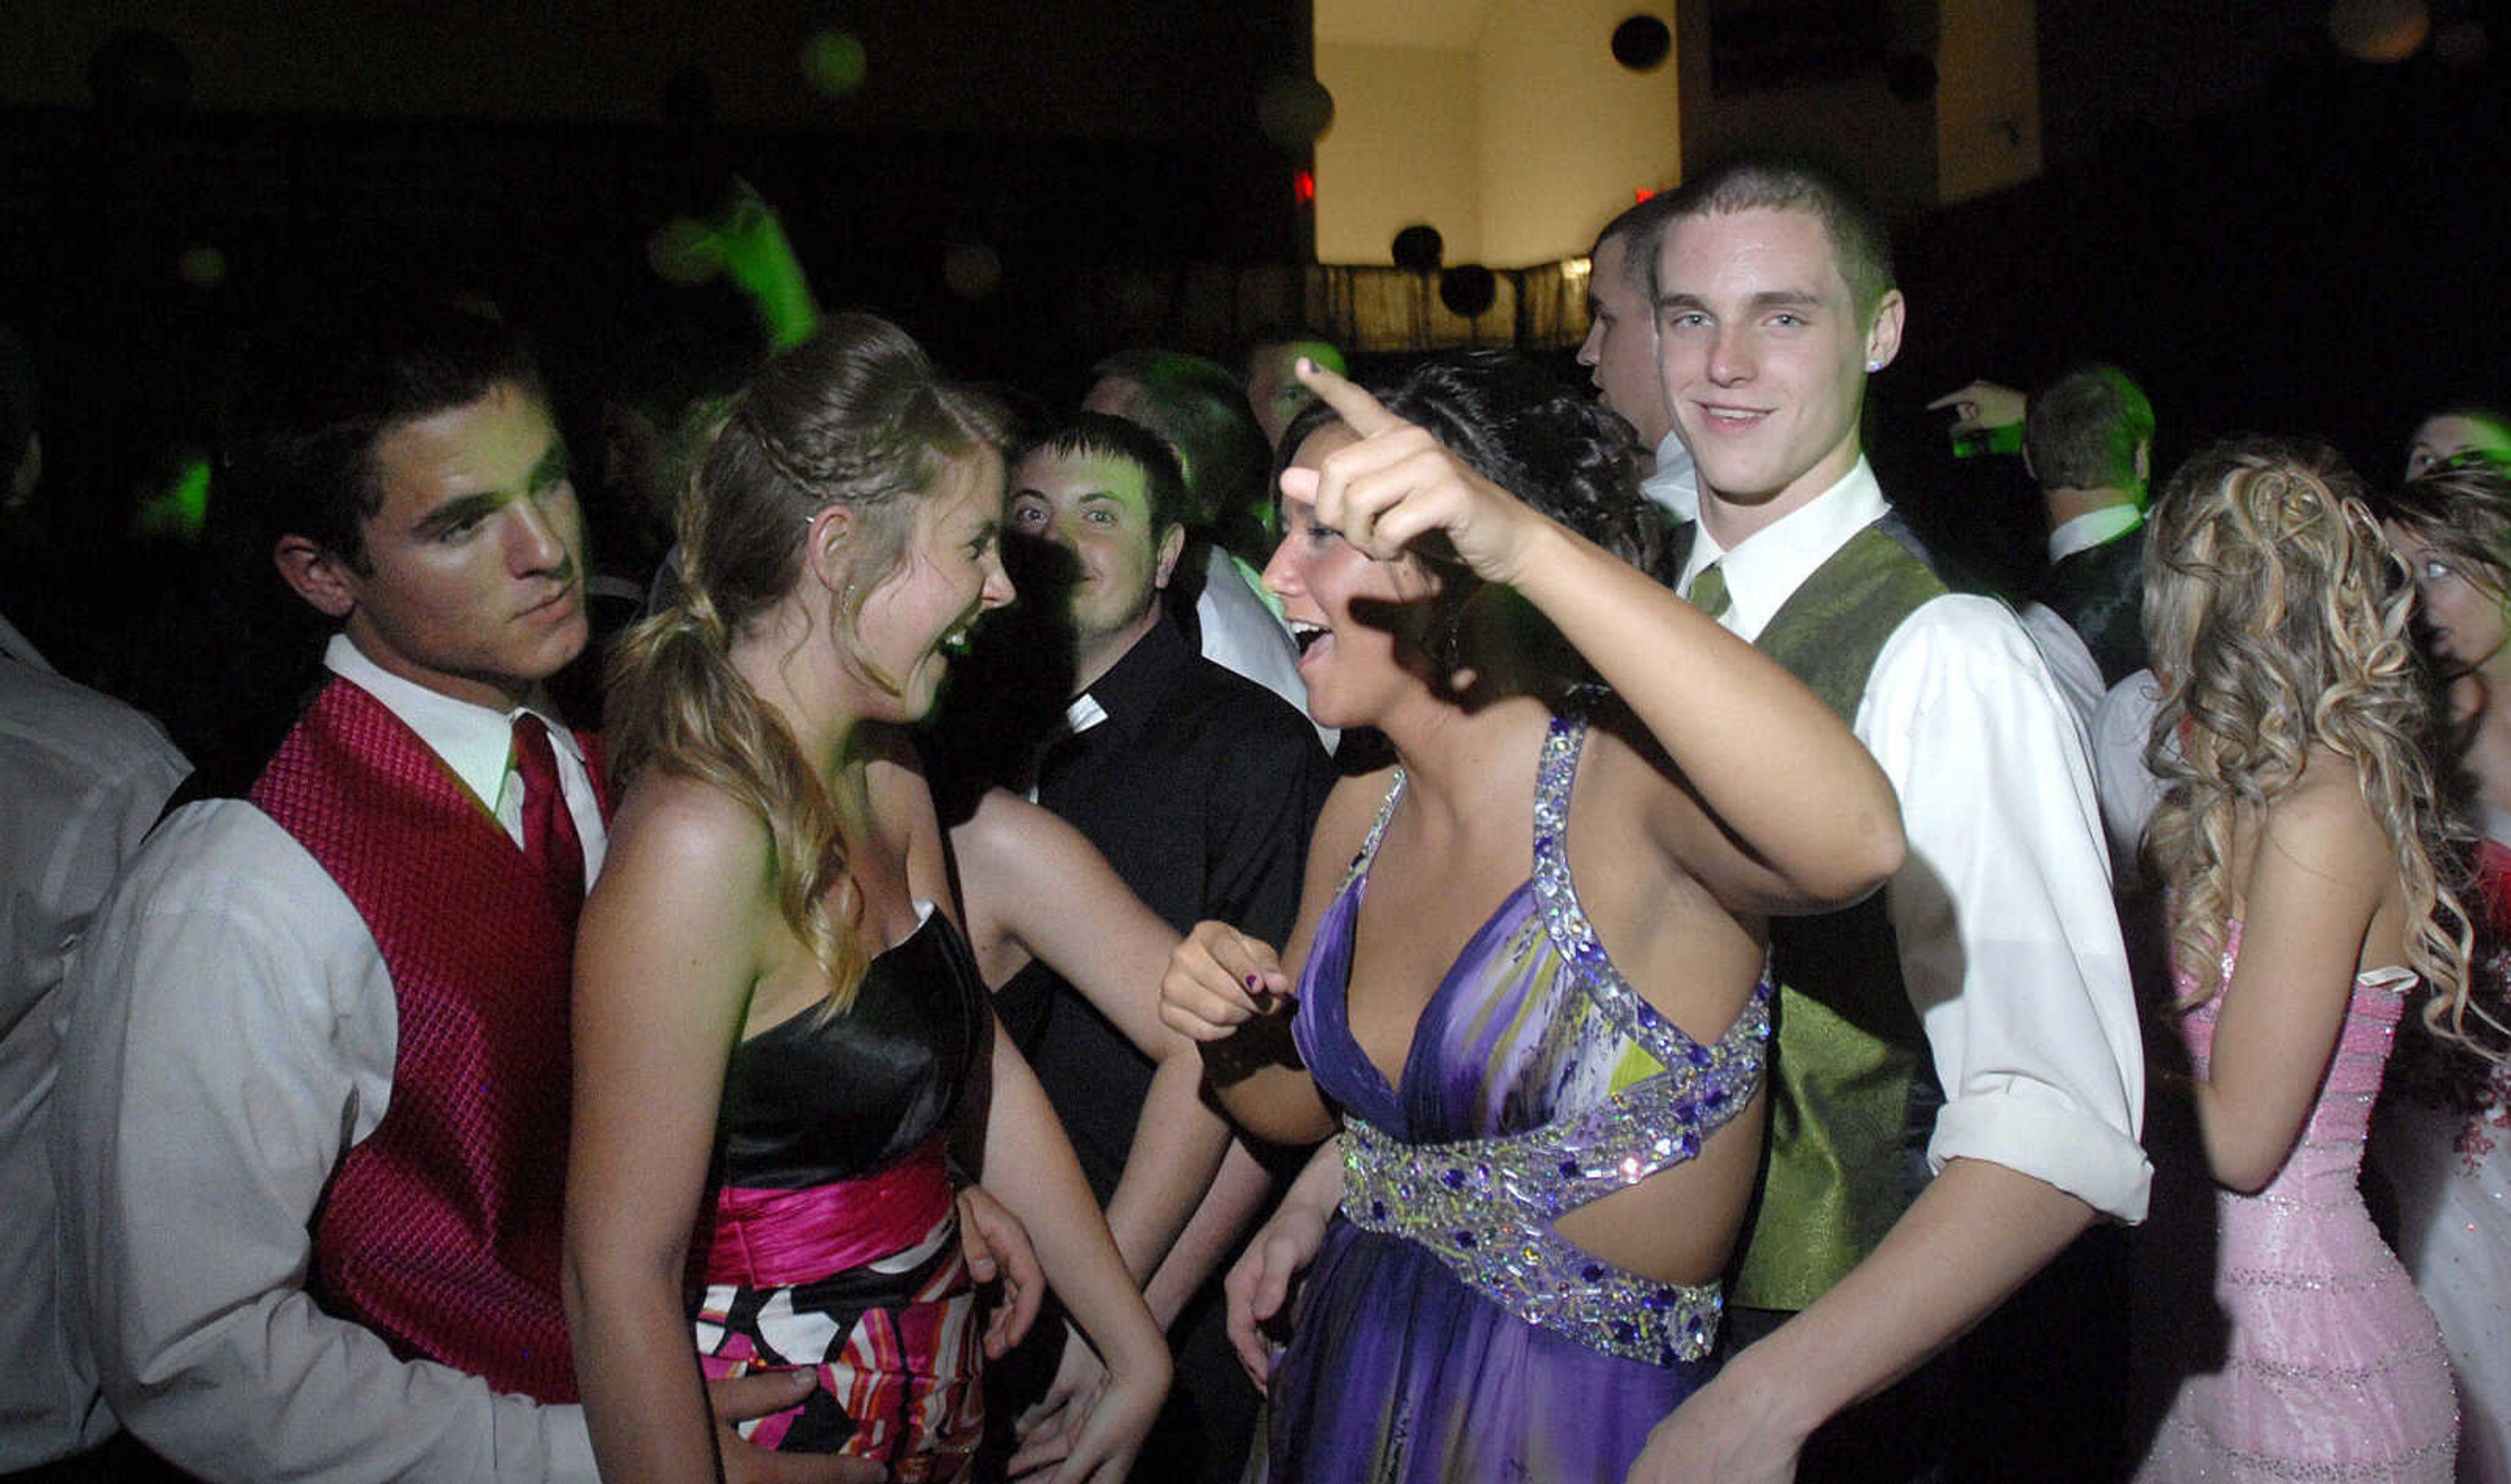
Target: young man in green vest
(1958, 1087)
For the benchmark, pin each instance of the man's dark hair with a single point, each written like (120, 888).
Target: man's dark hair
(1642, 227)
(319, 395)
(1200, 409)
(1750, 182)
(1101, 436)
(2083, 430)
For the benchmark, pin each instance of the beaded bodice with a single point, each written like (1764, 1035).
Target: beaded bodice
(1539, 1081)
(2322, 1172)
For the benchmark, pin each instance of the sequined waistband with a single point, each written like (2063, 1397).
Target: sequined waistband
(1471, 1214)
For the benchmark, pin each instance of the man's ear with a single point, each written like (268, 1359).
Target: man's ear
(323, 578)
(828, 550)
(1883, 336)
(1170, 545)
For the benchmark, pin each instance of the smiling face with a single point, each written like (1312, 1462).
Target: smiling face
(1620, 348)
(1763, 354)
(1355, 619)
(471, 581)
(2463, 618)
(1098, 507)
(918, 617)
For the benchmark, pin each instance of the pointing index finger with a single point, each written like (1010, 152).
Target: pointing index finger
(1359, 411)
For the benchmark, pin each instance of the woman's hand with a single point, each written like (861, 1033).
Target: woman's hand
(1107, 1413)
(1258, 1285)
(1048, 1430)
(997, 1249)
(1218, 979)
(1399, 489)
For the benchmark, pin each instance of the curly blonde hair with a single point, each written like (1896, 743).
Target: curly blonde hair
(2277, 614)
(853, 416)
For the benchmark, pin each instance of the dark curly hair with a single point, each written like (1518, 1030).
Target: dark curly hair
(1526, 431)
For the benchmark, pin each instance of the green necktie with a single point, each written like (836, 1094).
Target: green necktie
(1708, 591)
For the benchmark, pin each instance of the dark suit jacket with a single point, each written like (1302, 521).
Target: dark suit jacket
(2099, 590)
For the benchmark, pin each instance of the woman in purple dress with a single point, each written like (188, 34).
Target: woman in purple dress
(1529, 963)
(2298, 839)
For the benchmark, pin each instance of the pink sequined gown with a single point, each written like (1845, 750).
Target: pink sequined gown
(2334, 1368)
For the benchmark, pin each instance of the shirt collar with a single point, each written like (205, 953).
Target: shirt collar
(1766, 569)
(1134, 683)
(475, 741)
(17, 646)
(2092, 528)
(1673, 487)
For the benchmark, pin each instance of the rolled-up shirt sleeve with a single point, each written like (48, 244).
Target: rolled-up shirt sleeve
(2009, 939)
(230, 1036)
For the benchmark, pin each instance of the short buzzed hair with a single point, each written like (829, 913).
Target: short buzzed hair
(1200, 408)
(1642, 226)
(1784, 183)
(2082, 431)
(1104, 436)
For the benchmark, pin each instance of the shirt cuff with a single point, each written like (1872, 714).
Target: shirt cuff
(552, 1446)
(2051, 1142)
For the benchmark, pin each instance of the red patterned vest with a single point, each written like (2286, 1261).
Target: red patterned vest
(439, 1232)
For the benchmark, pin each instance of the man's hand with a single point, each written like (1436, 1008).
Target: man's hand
(744, 1399)
(1983, 406)
(997, 1248)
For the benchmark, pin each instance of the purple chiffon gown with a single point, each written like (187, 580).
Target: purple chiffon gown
(2334, 1368)
(1445, 1333)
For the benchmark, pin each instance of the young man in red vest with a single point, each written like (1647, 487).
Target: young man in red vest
(315, 1091)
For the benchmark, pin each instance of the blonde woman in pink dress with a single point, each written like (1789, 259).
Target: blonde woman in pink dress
(2298, 839)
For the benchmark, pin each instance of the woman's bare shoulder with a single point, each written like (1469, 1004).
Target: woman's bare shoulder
(689, 822)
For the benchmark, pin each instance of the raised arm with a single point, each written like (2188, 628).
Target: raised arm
(665, 962)
(1815, 817)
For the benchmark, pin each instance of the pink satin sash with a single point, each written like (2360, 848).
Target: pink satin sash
(773, 1238)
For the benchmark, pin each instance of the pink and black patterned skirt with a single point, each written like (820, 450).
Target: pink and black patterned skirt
(863, 1282)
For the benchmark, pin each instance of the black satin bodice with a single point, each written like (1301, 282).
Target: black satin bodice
(817, 1098)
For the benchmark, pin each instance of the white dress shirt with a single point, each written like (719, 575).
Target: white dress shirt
(2069, 660)
(2122, 725)
(2009, 946)
(1670, 487)
(82, 777)
(2092, 528)
(1244, 636)
(232, 1034)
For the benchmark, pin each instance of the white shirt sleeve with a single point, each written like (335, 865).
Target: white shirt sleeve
(231, 1035)
(2009, 942)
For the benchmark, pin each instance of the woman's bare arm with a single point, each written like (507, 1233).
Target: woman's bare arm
(666, 957)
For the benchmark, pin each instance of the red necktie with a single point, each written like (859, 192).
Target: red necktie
(550, 841)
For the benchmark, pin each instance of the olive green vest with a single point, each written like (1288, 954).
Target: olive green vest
(1852, 1093)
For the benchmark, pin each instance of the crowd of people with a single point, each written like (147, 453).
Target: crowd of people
(1429, 925)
